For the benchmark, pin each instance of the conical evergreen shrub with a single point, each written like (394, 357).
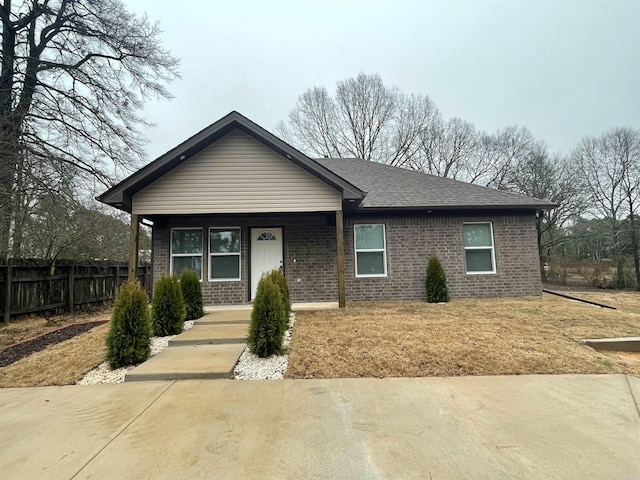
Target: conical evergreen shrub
(167, 307)
(268, 319)
(192, 294)
(128, 341)
(279, 279)
(436, 282)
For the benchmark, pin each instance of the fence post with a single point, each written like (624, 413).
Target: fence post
(71, 287)
(7, 295)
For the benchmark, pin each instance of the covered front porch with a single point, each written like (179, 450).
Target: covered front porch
(230, 253)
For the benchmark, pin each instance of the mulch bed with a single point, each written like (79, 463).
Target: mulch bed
(23, 349)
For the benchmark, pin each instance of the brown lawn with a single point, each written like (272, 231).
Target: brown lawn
(61, 364)
(463, 337)
(24, 328)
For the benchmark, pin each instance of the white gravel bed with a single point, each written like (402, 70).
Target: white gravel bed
(102, 374)
(252, 367)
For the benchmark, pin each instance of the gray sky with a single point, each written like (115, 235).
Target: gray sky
(564, 69)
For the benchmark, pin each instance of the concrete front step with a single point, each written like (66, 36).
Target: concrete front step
(225, 316)
(212, 335)
(206, 321)
(189, 363)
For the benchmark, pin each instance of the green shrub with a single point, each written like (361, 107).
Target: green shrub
(436, 282)
(278, 278)
(192, 294)
(268, 319)
(167, 307)
(128, 341)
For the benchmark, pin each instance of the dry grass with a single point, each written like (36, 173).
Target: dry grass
(463, 337)
(29, 327)
(61, 364)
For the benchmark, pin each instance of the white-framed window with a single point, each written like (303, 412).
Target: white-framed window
(224, 254)
(186, 250)
(478, 247)
(371, 251)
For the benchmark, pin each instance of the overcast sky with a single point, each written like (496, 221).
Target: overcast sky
(564, 69)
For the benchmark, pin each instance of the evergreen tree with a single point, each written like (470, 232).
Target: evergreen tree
(436, 282)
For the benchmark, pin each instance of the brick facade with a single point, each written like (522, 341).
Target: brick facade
(309, 251)
(411, 240)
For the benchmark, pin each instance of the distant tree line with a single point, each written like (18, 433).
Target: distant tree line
(596, 186)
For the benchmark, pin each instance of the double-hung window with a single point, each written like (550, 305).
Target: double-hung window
(478, 246)
(224, 254)
(186, 250)
(371, 254)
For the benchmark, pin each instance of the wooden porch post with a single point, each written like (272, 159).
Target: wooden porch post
(340, 244)
(134, 237)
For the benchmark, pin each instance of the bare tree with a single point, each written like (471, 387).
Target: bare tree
(447, 149)
(59, 227)
(366, 119)
(369, 120)
(625, 144)
(73, 77)
(609, 164)
(555, 179)
(501, 152)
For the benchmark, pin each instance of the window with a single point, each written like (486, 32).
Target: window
(224, 254)
(371, 255)
(186, 250)
(266, 235)
(478, 246)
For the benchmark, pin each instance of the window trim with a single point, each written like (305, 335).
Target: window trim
(374, 250)
(172, 255)
(226, 254)
(493, 271)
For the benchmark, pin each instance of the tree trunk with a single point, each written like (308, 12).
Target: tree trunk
(7, 145)
(620, 283)
(634, 247)
(19, 211)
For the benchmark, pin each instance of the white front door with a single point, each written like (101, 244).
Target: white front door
(266, 253)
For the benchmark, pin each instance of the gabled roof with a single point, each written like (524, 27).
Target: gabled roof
(394, 188)
(121, 194)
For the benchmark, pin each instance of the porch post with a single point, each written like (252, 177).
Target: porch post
(134, 237)
(340, 244)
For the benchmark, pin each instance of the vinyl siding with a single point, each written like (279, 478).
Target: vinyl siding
(236, 174)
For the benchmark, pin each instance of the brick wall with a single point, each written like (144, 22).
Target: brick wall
(309, 251)
(310, 257)
(411, 240)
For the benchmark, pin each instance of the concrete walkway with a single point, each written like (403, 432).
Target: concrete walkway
(524, 427)
(209, 350)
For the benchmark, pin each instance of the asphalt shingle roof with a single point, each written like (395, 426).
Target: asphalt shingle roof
(394, 187)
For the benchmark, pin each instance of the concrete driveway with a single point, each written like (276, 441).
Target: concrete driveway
(564, 427)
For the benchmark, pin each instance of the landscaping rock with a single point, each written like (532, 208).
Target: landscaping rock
(252, 367)
(102, 374)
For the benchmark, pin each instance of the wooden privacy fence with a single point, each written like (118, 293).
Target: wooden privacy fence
(30, 287)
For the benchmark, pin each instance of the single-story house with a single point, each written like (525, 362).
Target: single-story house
(234, 201)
